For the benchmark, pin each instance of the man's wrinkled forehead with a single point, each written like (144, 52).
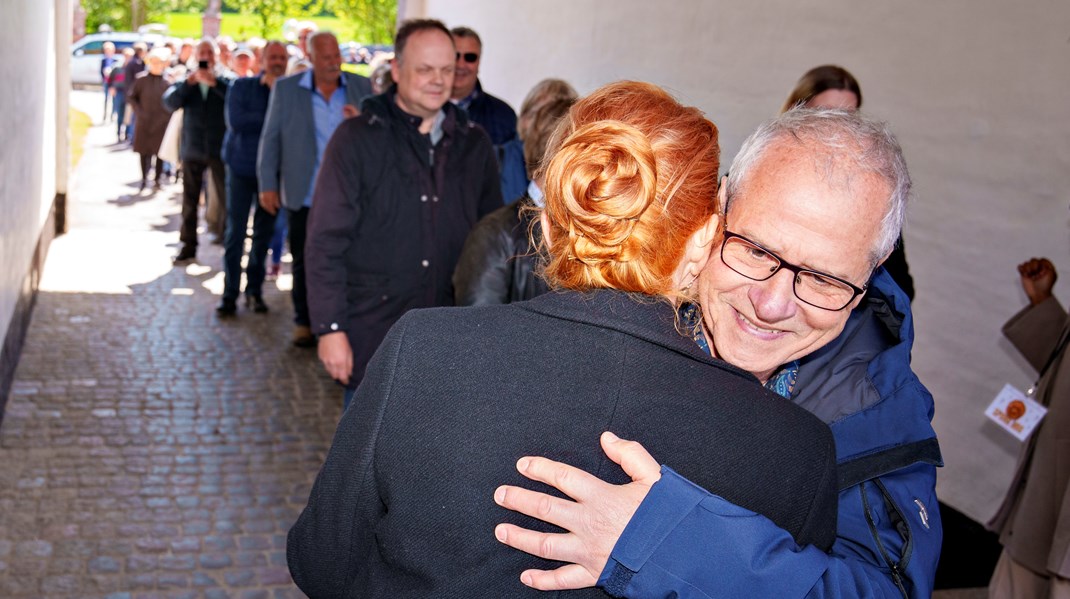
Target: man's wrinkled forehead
(783, 159)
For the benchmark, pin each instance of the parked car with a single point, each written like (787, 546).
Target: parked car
(87, 52)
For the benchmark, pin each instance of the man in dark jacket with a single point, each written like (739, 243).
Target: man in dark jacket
(202, 96)
(246, 106)
(494, 115)
(399, 189)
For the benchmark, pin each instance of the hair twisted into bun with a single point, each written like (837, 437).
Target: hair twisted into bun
(631, 175)
(607, 177)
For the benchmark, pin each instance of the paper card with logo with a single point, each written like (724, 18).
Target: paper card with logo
(1015, 412)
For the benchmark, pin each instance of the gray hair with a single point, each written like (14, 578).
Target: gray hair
(866, 144)
(207, 41)
(310, 41)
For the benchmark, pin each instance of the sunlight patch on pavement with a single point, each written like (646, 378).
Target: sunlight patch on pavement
(196, 269)
(214, 284)
(114, 264)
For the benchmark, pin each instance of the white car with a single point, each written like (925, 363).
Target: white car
(87, 52)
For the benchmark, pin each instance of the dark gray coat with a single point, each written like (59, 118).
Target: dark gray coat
(403, 506)
(389, 217)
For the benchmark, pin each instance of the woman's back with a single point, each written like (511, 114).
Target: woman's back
(403, 506)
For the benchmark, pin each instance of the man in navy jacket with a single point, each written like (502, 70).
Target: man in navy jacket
(246, 108)
(487, 111)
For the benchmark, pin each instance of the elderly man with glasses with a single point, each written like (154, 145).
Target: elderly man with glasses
(794, 295)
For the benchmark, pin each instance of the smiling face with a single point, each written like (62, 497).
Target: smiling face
(467, 72)
(790, 207)
(424, 73)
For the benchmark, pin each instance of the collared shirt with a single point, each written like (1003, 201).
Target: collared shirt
(782, 382)
(536, 195)
(327, 115)
(466, 101)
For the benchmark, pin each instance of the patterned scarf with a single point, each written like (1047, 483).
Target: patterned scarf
(782, 382)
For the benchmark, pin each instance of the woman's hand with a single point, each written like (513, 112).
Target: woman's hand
(595, 520)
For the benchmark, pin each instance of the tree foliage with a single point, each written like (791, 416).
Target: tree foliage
(270, 14)
(371, 21)
(126, 15)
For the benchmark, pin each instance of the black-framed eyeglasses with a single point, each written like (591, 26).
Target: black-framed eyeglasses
(817, 289)
(469, 57)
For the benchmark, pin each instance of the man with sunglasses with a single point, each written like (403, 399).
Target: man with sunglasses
(793, 293)
(493, 114)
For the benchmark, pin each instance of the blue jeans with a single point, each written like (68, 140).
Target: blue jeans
(347, 398)
(107, 97)
(118, 106)
(242, 194)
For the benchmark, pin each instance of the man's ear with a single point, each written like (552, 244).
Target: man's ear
(722, 195)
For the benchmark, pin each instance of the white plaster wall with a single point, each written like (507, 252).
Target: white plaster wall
(976, 89)
(28, 162)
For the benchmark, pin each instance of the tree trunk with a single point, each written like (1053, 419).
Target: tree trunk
(135, 16)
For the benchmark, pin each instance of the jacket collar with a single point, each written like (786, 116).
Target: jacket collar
(384, 106)
(642, 316)
(307, 80)
(862, 383)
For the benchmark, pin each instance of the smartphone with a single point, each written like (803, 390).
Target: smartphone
(203, 65)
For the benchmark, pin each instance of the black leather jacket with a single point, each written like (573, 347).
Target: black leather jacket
(498, 264)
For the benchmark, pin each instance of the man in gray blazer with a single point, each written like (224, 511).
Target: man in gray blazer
(302, 114)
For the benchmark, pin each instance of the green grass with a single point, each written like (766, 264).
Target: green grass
(79, 123)
(242, 27)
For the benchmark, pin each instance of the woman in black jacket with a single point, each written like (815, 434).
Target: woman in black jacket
(499, 263)
(454, 396)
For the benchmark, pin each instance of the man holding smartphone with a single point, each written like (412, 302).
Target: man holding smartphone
(202, 96)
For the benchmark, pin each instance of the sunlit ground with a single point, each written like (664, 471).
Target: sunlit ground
(133, 235)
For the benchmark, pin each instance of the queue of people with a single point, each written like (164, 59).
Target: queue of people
(614, 281)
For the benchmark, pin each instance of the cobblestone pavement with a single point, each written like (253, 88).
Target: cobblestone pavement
(150, 449)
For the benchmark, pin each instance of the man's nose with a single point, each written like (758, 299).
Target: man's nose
(774, 298)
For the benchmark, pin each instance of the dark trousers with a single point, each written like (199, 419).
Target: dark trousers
(242, 195)
(119, 107)
(298, 223)
(192, 183)
(146, 164)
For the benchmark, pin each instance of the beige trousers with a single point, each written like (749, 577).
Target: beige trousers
(1012, 580)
